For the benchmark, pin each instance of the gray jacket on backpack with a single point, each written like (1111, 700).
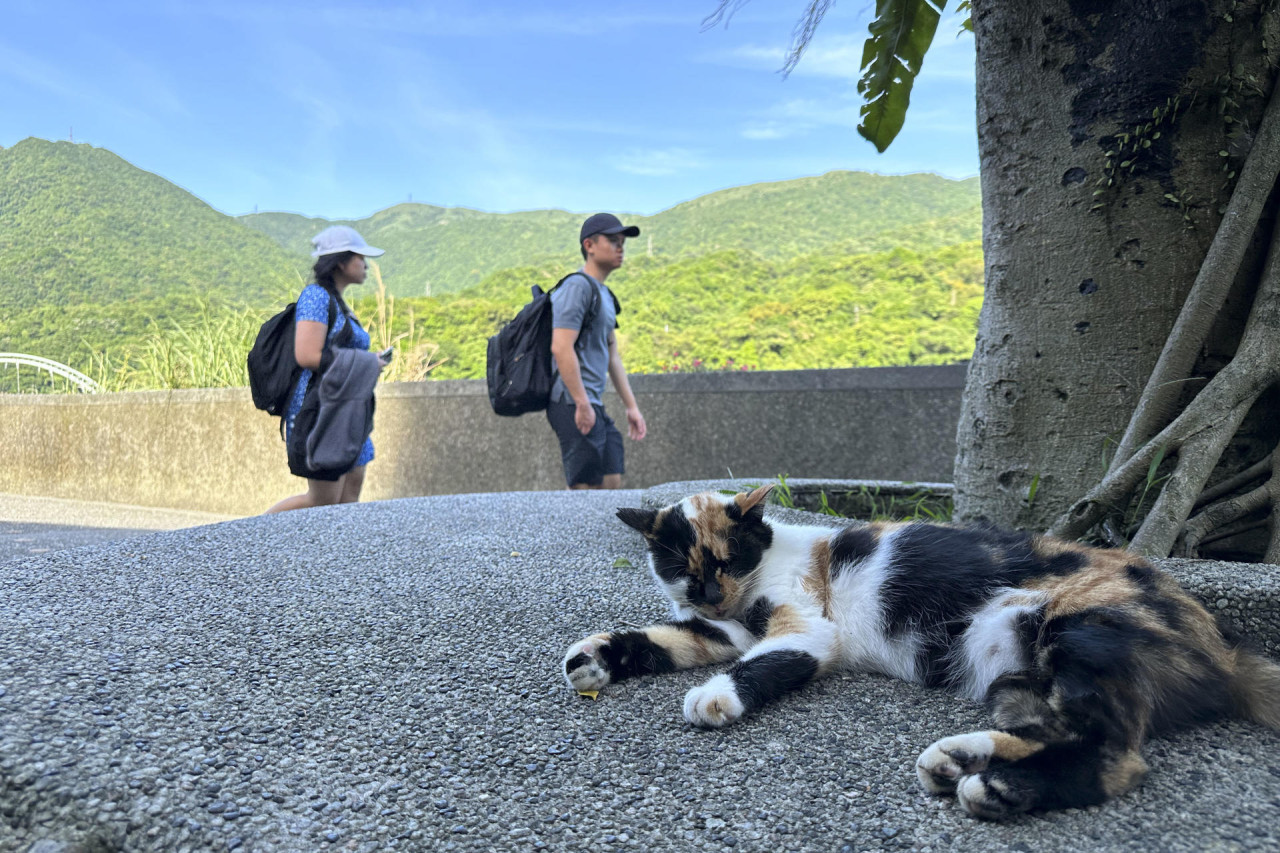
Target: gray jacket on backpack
(345, 415)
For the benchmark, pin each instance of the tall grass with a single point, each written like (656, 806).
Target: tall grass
(415, 355)
(208, 350)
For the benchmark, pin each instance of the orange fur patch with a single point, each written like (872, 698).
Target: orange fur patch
(785, 620)
(1011, 747)
(686, 648)
(711, 526)
(1102, 582)
(817, 580)
(747, 500)
(1123, 774)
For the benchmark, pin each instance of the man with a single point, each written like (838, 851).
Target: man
(585, 351)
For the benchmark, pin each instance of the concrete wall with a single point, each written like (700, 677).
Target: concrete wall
(211, 450)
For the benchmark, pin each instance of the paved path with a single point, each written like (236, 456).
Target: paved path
(39, 525)
(385, 676)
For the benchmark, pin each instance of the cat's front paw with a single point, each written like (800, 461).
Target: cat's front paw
(941, 766)
(584, 664)
(713, 704)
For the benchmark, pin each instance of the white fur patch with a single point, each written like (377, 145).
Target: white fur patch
(592, 675)
(713, 704)
(741, 638)
(946, 762)
(858, 612)
(990, 646)
(818, 641)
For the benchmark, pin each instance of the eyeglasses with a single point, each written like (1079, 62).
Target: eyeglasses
(616, 239)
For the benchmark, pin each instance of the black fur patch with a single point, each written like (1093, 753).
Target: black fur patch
(632, 653)
(849, 546)
(1094, 657)
(939, 576)
(1066, 563)
(673, 539)
(761, 680)
(1141, 574)
(756, 619)
(1059, 777)
(747, 545)
(702, 629)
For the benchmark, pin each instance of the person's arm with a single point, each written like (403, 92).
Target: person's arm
(562, 349)
(308, 343)
(635, 421)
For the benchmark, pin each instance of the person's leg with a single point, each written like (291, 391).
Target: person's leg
(611, 453)
(352, 482)
(319, 493)
(579, 453)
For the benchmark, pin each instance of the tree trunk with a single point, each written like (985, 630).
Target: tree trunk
(1110, 135)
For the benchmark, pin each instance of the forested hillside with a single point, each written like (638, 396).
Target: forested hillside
(733, 309)
(434, 250)
(94, 250)
(117, 272)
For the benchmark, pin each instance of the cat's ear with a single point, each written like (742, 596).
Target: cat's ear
(751, 504)
(640, 519)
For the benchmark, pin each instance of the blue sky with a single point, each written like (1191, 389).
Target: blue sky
(341, 109)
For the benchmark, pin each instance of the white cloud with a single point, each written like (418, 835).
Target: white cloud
(768, 130)
(839, 55)
(657, 162)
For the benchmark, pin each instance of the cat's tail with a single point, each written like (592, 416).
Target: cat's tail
(1256, 688)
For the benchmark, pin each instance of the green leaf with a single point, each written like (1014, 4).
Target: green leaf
(901, 34)
(1155, 465)
(623, 563)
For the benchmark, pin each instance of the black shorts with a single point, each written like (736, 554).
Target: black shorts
(587, 458)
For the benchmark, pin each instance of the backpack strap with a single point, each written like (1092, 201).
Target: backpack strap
(594, 307)
(325, 356)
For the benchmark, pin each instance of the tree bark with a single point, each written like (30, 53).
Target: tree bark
(1082, 290)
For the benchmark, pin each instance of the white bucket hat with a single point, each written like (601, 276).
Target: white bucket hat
(342, 238)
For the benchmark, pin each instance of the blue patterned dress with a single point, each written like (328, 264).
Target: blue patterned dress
(313, 304)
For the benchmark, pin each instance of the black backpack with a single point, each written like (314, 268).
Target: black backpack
(273, 369)
(519, 360)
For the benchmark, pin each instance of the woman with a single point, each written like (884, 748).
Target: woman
(340, 252)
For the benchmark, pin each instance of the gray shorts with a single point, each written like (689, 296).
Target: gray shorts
(587, 458)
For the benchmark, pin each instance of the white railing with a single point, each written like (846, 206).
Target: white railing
(48, 365)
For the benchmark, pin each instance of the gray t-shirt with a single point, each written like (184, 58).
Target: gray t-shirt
(570, 303)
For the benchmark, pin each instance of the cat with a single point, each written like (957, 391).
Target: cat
(1080, 653)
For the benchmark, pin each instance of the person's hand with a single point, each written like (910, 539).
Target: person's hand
(635, 424)
(585, 417)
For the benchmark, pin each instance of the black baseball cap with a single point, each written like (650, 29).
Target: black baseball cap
(606, 223)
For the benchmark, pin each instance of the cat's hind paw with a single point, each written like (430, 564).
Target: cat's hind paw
(584, 665)
(985, 795)
(713, 704)
(941, 766)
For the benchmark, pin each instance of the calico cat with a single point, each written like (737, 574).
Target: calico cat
(1079, 652)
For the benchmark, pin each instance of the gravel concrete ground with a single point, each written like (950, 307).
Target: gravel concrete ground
(386, 676)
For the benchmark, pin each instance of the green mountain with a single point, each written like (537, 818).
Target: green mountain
(116, 271)
(730, 309)
(93, 249)
(433, 250)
